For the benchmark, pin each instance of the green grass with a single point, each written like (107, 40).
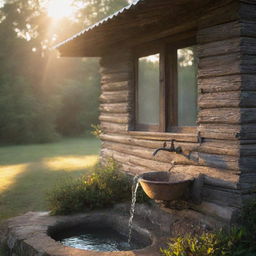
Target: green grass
(28, 172)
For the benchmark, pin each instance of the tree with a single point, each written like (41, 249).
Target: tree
(47, 85)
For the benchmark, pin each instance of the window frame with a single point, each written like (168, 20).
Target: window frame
(168, 85)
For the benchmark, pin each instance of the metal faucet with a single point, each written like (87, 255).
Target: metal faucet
(172, 148)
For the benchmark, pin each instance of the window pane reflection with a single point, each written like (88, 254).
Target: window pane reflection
(148, 89)
(187, 86)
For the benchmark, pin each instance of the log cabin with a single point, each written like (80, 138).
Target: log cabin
(182, 70)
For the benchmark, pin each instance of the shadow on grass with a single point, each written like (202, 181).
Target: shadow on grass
(28, 190)
(25, 180)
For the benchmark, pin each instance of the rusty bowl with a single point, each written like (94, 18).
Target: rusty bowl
(165, 186)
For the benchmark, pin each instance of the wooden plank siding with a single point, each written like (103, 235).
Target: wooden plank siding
(226, 118)
(248, 82)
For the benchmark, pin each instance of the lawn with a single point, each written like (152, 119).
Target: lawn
(28, 172)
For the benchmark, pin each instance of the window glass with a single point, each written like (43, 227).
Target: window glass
(187, 86)
(148, 90)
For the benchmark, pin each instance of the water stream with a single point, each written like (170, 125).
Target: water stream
(135, 186)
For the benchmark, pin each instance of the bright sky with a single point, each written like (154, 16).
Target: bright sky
(58, 9)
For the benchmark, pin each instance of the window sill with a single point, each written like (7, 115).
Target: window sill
(163, 136)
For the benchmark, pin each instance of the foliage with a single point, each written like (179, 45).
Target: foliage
(238, 241)
(79, 107)
(24, 118)
(191, 246)
(103, 188)
(58, 95)
(96, 130)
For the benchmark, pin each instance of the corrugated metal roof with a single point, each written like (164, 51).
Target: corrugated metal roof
(105, 20)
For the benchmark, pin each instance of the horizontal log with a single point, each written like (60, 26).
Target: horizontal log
(248, 115)
(220, 115)
(247, 10)
(220, 147)
(245, 82)
(248, 45)
(248, 150)
(219, 47)
(248, 63)
(224, 13)
(135, 170)
(113, 128)
(247, 164)
(115, 108)
(138, 161)
(220, 99)
(124, 139)
(231, 148)
(151, 144)
(186, 137)
(219, 65)
(228, 99)
(219, 161)
(231, 181)
(247, 188)
(248, 1)
(222, 84)
(116, 86)
(215, 210)
(219, 32)
(220, 131)
(146, 153)
(247, 133)
(114, 97)
(115, 118)
(248, 82)
(248, 29)
(224, 197)
(116, 77)
(213, 176)
(248, 178)
(228, 116)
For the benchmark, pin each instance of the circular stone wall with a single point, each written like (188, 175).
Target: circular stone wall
(33, 234)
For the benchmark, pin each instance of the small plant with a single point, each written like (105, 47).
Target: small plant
(203, 245)
(103, 188)
(96, 130)
(238, 241)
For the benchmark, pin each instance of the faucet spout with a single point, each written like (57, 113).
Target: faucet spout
(172, 148)
(159, 149)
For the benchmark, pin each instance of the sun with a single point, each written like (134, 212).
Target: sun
(58, 9)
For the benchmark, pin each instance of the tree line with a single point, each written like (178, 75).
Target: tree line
(43, 97)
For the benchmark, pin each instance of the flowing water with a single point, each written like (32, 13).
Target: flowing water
(135, 186)
(104, 239)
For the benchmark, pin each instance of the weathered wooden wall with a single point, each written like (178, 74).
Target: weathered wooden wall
(226, 119)
(247, 134)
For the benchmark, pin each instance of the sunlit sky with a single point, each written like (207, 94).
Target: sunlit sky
(58, 9)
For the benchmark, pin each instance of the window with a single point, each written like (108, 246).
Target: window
(166, 88)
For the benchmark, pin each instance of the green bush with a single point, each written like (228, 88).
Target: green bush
(238, 241)
(103, 188)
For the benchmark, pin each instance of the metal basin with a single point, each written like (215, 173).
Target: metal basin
(165, 186)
